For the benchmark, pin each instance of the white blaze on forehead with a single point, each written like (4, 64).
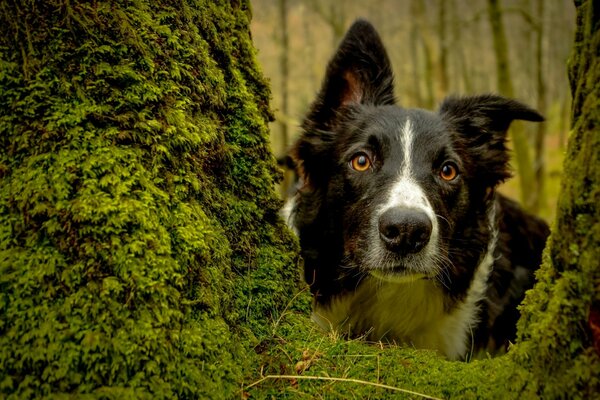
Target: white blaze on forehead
(406, 192)
(406, 137)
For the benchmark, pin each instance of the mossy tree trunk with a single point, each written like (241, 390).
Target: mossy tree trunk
(560, 326)
(140, 249)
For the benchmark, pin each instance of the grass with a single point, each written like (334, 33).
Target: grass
(298, 360)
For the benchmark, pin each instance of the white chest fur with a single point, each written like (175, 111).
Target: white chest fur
(411, 313)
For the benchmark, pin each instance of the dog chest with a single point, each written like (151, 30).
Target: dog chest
(411, 313)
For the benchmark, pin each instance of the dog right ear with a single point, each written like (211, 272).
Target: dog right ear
(483, 121)
(360, 72)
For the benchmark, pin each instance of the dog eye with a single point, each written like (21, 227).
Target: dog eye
(360, 162)
(449, 171)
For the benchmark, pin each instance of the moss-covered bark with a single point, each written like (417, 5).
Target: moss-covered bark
(140, 250)
(557, 342)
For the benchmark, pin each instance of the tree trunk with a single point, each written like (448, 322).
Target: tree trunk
(560, 325)
(538, 196)
(500, 48)
(443, 42)
(459, 50)
(141, 252)
(505, 87)
(418, 10)
(415, 41)
(284, 67)
(564, 121)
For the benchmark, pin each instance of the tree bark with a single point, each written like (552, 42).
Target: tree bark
(560, 325)
(141, 253)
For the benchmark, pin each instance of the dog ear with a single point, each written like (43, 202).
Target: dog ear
(359, 73)
(482, 122)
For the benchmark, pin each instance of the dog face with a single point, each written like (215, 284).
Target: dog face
(400, 181)
(390, 191)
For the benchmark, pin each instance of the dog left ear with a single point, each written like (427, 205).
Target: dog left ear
(483, 121)
(360, 72)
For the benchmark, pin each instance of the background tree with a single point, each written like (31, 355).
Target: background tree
(423, 40)
(539, 162)
(334, 14)
(443, 42)
(284, 111)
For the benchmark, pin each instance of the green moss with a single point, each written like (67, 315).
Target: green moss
(139, 237)
(556, 341)
(297, 347)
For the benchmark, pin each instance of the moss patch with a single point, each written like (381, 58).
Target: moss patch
(357, 370)
(140, 250)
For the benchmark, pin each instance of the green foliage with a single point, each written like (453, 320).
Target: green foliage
(134, 170)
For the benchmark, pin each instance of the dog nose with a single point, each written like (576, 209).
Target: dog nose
(404, 230)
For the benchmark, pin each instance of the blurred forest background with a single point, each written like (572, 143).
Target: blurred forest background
(518, 48)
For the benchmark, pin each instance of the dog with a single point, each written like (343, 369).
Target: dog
(403, 235)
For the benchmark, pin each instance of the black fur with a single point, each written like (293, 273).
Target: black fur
(355, 112)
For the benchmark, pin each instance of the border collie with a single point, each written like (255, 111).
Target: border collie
(403, 235)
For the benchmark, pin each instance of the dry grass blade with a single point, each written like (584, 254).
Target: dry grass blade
(328, 378)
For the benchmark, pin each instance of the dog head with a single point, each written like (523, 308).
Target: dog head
(389, 190)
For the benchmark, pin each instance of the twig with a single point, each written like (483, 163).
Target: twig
(328, 378)
(283, 312)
